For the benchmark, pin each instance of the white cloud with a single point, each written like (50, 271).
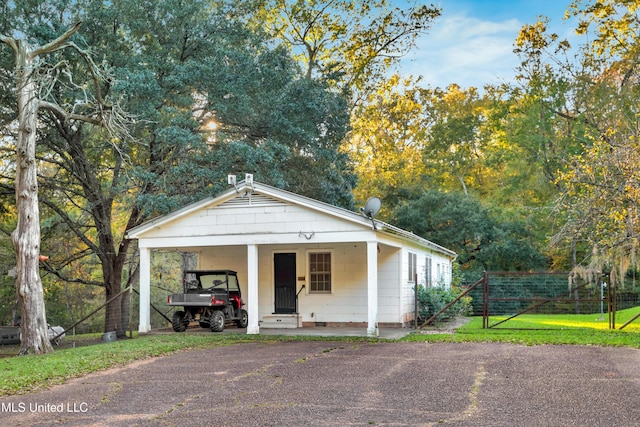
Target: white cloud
(464, 50)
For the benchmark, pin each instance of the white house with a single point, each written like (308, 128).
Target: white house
(301, 262)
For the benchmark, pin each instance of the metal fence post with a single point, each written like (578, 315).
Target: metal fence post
(485, 301)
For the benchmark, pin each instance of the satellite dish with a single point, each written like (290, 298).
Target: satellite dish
(371, 209)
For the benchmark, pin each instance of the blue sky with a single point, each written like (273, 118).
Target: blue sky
(471, 43)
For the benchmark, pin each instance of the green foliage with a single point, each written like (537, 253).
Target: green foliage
(297, 145)
(8, 296)
(488, 199)
(7, 302)
(215, 97)
(456, 136)
(461, 223)
(382, 142)
(432, 300)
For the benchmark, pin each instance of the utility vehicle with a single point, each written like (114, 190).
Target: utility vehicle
(212, 298)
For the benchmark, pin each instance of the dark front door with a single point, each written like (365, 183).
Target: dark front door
(284, 266)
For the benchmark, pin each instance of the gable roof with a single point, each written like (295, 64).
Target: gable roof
(262, 193)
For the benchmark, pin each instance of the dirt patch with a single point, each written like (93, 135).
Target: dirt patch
(449, 327)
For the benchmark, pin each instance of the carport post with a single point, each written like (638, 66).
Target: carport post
(145, 290)
(372, 288)
(252, 294)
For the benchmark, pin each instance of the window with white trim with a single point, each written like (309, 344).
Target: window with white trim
(320, 272)
(428, 275)
(413, 266)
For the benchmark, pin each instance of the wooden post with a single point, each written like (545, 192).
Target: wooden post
(415, 303)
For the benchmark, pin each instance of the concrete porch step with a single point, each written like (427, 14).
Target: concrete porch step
(280, 321)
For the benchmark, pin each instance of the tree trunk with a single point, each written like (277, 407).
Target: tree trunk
(113, 313)
(26, 236)
(189, 261)
(117, 311)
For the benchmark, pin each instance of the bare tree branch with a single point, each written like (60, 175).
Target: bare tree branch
(10, 41)
(56, 44)
(64, 115)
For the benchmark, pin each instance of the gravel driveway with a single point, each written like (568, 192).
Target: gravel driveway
(350, 384)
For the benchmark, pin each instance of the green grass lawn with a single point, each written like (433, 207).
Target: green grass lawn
(28, 373)
(535, 329)
(591, 321)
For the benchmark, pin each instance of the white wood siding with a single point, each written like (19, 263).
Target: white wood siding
(390, 293)
(236, 219)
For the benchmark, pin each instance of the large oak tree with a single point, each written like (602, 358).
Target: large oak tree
(36, 76)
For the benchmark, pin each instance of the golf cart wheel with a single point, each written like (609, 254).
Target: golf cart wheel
(177, 321)
(243, 322)
(217, 321)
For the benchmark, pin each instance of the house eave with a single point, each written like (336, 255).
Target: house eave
(407, 235)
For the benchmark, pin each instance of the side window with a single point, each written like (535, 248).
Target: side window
(320, 272)
(413, 263)
(233, 283)
(428, 275)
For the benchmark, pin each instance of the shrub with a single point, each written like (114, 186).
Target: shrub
(432, 300)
